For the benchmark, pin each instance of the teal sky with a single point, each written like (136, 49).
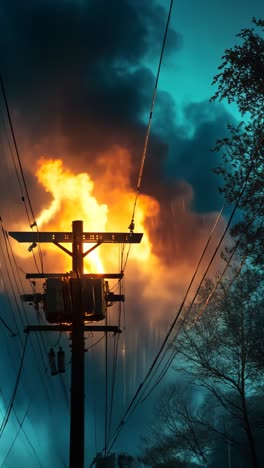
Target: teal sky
(207, 28)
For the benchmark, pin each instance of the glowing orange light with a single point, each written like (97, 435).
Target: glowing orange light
(76, 196)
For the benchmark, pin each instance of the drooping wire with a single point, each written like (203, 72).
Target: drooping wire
(174, 352)
(19, 304)
(12, 333)
(12, 399)
(109, 411)
(96, 343)
(210, 263)
(141, 168)
(13, 265)
(23, 184)
(169, 331)
(114, 368)
(144, 153)
(11, 308)
(219, 280)
(26, 436)
(124, 261)
(7, 295)
(135, 401)
(93, 390)
(16, 147)
(106, 383)
(13, 294)
(202, 309)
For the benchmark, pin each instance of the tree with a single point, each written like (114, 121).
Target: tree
(219, 352)
(241, 77)
(217, 355)
(223, 352)
(176, 436)
(241, 81)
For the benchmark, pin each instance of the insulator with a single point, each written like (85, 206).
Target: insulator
(32, 246)
(131, 226)
(61, 360)
(52, 362)
(106, 284)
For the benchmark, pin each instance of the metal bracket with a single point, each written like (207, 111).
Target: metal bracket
(67, 328)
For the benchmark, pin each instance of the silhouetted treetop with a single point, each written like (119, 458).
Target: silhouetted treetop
(241, 79)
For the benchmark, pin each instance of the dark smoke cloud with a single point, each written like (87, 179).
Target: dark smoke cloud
(79, 66)
(78, 81)
(190, 154)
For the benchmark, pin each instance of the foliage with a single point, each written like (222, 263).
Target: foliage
(176, 436)
(218, 356)
(241, 77)
(222, 353)
(241, 80)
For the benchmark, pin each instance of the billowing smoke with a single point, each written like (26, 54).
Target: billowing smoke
(79, 77)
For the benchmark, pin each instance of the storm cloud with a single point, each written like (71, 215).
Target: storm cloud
(79, 78)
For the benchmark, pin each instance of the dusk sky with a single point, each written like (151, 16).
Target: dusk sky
(79, 77)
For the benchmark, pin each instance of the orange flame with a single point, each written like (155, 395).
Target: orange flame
(76, 196)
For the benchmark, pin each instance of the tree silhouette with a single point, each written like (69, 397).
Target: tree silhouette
(241, 81)
(222, 353)
(217, 356)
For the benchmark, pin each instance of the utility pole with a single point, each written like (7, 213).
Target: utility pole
(77, 368)
(77, 320)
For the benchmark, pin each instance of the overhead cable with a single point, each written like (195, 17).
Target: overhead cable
(12, 399)
(172, 325)
(26, 436)
(144, 153)
(33, 223)
(202, 279)
(135, 401)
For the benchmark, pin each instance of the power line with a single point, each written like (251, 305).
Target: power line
(169, 331)
(23, 184)
(202, 309)
(16, 147)
(106, 383)
(170, 360)
(115, 347)
(96, 343)
(25, 434)
(13, 334)
(135, 400)
(19, 304)
(114, 367)
(242, 191)
(11, 403)
(144, 153)
(143, 157)
(13, 293)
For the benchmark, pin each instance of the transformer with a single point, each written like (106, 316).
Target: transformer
(94, 293)
(59, 298)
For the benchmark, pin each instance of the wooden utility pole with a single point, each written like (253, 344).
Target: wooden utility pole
(77, 327)
(77, 368)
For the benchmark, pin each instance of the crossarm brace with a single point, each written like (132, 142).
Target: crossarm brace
(84, 254)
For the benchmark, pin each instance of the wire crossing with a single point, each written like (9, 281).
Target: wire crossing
(12, 400)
